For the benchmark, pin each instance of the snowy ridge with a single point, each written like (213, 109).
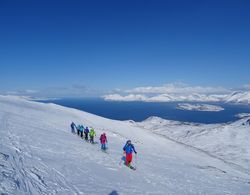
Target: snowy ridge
(239, 98)
(39, 155)
(236, 97)
(166, 98)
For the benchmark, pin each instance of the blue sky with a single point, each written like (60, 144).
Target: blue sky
(104, 45)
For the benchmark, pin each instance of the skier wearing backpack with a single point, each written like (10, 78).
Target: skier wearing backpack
(103, 140)
(128, 150)
(78, 129)
(81, 130)
(86, 132)
(73, 125)
(92, 134)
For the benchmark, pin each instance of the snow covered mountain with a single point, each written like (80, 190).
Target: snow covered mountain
(166, 98)
(39, 155)
(229, 142)
(236, 97)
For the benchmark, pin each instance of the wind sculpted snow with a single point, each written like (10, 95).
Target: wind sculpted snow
(39, 155)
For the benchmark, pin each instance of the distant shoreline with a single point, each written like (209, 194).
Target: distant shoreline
(139, 111)
(200, 107)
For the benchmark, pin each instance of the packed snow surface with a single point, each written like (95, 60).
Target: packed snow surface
(199, 107)
(40, 155)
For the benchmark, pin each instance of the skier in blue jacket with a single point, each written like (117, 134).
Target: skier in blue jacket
(81, 130)
(78, 129)
(128, 150)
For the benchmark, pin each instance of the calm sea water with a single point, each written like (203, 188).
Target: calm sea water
(139, 111)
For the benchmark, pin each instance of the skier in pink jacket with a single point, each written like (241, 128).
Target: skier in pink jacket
(103, 140)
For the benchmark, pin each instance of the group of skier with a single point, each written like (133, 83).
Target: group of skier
(89, 134)
(128, 148)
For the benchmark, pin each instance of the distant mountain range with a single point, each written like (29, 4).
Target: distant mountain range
(235, 97)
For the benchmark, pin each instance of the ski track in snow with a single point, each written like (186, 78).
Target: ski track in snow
(27, 177)
(39, 155)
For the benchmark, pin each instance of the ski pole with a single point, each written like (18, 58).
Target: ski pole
(122, 158)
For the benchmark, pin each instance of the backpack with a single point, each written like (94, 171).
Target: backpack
(86, 130)
(103, 137)
(92, 133)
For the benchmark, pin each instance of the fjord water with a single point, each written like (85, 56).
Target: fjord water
(139, 111)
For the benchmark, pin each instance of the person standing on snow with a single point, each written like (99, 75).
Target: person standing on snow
(86, 132)
(78, 129)
(92, 134)
(73, 126)
(103, 140)
(128, 150)
(81, 130)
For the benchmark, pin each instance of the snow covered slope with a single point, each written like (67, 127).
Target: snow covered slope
(238, 97)
(229, 142)
(39, 155)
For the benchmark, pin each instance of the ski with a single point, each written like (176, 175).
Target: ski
(133, 168)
